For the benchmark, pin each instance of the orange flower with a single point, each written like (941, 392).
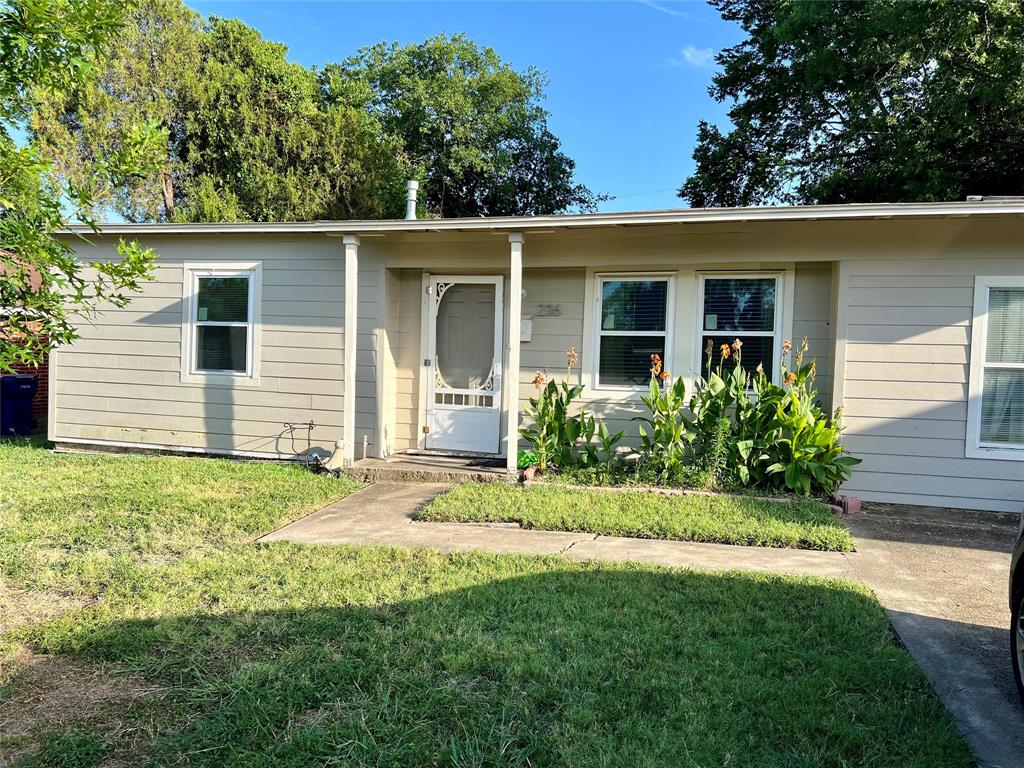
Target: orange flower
(790, 379)
(665, 376)
(787, 345)
(655, 365)
(736, 345)
(571, 356)
(726, 351)
(538, 380)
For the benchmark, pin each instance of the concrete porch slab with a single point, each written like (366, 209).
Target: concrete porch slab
(424, 468)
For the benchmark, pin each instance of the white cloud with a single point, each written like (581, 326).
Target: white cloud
(666, 9)
(694, 57)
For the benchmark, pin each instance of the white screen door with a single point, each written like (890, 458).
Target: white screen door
(464, 359)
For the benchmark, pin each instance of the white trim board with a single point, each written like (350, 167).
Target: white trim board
(191, 271)
(975, 449)
(503, 224)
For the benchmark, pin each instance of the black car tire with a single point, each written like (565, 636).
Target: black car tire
(1017, 641)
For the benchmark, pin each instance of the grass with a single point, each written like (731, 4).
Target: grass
(719, 519)
(290, 655)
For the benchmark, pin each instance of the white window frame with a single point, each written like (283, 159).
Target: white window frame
(600, 278)
(782, 296)
(190, 373)
(976, 449)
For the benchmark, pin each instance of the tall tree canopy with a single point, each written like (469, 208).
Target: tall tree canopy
(253, 136)
(47, 50)
(248, 137)
(471, 125)
(874, 101)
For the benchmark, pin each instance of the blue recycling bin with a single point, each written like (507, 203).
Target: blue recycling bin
(16, 393)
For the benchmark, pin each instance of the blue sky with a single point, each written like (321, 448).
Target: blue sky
(628, 80)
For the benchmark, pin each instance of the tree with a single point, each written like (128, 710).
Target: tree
(49, 48)
(248, 137)
(261, 146)
(876, 101)
(470, 125)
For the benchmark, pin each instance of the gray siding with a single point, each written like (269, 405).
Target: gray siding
(121, 381)
(813, 319)
(905, 391)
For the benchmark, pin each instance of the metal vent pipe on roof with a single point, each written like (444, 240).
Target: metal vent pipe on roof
(410, 200)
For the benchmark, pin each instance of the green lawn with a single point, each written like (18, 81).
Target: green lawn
(290, 655)
(720, 519)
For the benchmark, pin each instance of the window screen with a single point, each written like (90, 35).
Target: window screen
(222, 324)
(740, 308)
(633, 327)
(1002, 397)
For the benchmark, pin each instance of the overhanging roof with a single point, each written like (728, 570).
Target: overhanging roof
(586, 220)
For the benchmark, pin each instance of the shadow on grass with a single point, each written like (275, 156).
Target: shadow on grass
(484, 661)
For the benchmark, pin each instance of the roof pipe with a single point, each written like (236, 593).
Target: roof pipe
(410, 200)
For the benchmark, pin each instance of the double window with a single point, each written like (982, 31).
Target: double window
(635, 322)
(220, 322)
(743, 307)
(996, 403)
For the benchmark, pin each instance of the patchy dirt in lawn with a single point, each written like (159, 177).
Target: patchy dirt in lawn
(40, 693)
(19, 607)
(53, 693)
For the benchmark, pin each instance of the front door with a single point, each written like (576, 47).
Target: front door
(464, 364)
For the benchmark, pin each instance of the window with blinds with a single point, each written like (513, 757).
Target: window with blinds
(634, 324)
(740, 307)
(222, 323)
(1001, 418)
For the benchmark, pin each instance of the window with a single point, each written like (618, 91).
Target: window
(220, 322)
(634, 324)
(996, 404)
(743, 307)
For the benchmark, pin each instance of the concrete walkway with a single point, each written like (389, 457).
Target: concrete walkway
(940, 574)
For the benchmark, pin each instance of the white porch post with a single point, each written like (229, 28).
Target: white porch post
(348, 434)
(515, 311)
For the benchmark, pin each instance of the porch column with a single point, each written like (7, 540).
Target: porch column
(348, 434)
(515, 312)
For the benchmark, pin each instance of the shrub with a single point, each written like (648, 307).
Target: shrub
(777, 439)
(559, 439)
(666, 448)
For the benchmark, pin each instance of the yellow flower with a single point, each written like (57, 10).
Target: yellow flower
(790, 379)
(665, 376)
(726, 351)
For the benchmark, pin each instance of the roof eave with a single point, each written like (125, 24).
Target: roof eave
(578, 221)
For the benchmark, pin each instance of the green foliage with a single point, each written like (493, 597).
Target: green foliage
(555, 433)
(764, 435)
(666, 443)
(251, 136)
(882, 100)
(697, 517)
(794, 445)
(471, 124)
(70, 749)
(526, 459)
(49, 49)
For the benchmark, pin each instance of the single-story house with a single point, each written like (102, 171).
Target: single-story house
(419, 336)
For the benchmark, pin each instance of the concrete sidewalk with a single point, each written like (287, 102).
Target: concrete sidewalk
(940, 574)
